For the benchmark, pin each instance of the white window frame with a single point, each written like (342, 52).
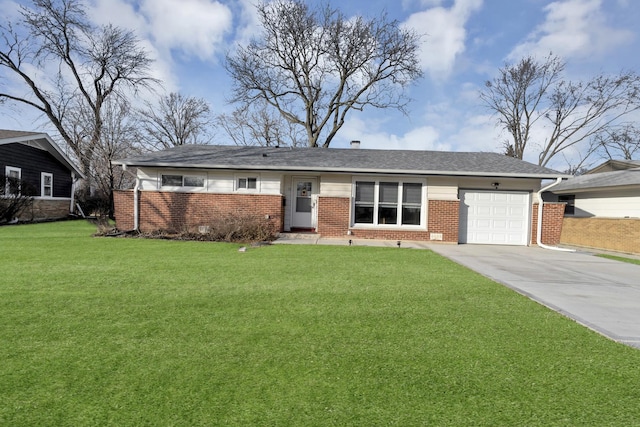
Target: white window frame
(43, 186)
(376, 203)
(7, 172)
(246, 178)
(183, 176)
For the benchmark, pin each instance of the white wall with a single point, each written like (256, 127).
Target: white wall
(215, 181)
(335, 185)
(609, 204)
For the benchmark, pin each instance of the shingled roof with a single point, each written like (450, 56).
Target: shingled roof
(620, 178)
(341, 160)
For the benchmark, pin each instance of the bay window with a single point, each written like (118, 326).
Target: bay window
(388, 203)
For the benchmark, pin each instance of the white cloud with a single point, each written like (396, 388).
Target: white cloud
(445, 35)
(572, 29)
(371, 137)
(249, 22)
(195, 27)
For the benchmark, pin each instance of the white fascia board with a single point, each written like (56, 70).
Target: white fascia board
(342, 170)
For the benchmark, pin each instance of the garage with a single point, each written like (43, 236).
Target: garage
(494, 217)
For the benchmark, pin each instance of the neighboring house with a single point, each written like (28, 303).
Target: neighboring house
(451, 197)
(603, 207)
(38, 162)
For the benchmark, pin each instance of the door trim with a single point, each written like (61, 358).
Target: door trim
(313, 220)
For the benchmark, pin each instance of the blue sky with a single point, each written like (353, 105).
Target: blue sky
(465, 42)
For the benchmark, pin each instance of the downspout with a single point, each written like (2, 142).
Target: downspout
(136, 195)
(539, 230)
(136, 211)
(72, 205)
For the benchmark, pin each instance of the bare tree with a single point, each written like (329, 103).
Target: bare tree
(176, 120)
(256, 124)
(569, 114)
(622, 143)
(65, 63)
(516, 96)
(313, 66)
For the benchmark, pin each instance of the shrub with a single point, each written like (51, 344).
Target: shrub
(16, 195)
(240, 228)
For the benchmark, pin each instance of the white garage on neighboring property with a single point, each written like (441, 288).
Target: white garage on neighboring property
(494, 217)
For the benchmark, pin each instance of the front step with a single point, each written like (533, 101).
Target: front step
(298, 236)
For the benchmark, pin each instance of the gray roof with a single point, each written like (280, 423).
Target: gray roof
(341, 160)
(38, 140)
(620, 178)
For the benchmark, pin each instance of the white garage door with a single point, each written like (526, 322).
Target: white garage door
(494, 217)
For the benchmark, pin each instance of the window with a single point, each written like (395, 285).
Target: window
(570, 200)
(364, 202)
(182, 181)
(411, 203)
(12, 183)
(46, 184)
(388, 203)
(247, 183)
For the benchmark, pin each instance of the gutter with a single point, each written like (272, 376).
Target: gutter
(362, 171)
(539, 228)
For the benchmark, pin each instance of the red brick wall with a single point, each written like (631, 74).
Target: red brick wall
(552, 218)
(333, 216)
(176, 211)
(123, 209)
(334, 221)
(444, 217)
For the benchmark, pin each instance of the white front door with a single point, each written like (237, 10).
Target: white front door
(494, 217)
(303, 202)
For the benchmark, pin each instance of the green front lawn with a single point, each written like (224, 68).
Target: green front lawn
(132, 332)
(620, 258)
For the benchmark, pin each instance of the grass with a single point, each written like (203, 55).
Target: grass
(620, 258)
(131, 332)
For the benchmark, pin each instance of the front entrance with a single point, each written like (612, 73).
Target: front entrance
(304, 203)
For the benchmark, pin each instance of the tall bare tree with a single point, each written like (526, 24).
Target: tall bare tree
(66, 64)
(315, 65)
(119, 138)
(568, 114)
(176, 120)
(622, 143)
(256, 124)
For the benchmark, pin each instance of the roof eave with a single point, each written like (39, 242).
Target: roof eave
(55, 150)
(341, 170)
(595, 188)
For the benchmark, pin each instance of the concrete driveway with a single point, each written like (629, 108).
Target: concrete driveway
(601, 294)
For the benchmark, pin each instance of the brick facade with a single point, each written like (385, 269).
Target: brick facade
(176, 211)
(333, 216)
(123, 209)
(552, 220)
(334, 221)
(616, 234)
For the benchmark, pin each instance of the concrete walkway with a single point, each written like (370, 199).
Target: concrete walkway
(601, 294)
